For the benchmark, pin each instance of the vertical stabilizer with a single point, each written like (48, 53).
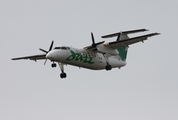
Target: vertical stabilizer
(123, 50)
(123, 53)
(122, 36)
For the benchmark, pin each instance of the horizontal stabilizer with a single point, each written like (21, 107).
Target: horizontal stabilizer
(124, 32)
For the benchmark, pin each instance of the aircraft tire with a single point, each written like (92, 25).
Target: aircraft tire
(108, 67)
(63, 75)
(53, 65)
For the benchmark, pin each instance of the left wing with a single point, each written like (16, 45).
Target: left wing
(37, 57)
(33, 57)
(127, 42)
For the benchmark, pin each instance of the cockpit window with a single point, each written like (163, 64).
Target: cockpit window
(57, 48)
(63, 48)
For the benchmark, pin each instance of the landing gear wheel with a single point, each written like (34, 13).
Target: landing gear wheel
(108, 67)
(63, 75)
(53, 65)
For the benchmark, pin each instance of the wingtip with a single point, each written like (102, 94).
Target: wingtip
(14, 58)
(157, 33)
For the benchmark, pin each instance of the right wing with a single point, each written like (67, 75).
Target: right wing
(33, 57)
(127, 42)
(124, 32)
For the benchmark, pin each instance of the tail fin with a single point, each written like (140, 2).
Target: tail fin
(123, 36)
(123, 53)
(123, 50)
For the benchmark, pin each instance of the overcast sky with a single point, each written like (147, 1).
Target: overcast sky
(145, 89)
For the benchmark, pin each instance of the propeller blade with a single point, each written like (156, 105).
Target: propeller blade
(45, 62)
(51, 46)
(93, 40)
(43, 50)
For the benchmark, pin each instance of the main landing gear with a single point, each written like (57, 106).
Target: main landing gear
(53, 65)
(108, 66)
(63, 74)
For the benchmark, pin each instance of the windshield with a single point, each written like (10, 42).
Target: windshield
(63, 48)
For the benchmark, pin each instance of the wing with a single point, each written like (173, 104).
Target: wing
(124, 32)
(127, 42)
(33, 57)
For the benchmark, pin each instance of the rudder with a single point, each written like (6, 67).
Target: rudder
(123, 53)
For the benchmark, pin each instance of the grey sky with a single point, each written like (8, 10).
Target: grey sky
(145, 89)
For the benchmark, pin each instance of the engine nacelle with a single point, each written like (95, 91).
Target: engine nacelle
(104, 49)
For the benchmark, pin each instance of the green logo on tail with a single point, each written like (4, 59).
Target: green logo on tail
(123, 53)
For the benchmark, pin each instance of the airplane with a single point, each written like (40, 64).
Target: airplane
(97, 56)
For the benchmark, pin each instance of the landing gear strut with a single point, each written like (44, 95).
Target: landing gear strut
(63, 74)
(108, 66)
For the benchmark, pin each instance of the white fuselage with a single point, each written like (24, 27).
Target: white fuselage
(83, 58)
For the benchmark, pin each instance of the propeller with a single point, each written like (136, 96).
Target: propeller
(93, 41)
(50, 48)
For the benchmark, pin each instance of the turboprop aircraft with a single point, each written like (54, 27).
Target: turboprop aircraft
(97, 56)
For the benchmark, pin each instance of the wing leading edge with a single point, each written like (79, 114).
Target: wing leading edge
(124, 32)
(33, 57)
(127, 42)
(37, 57)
